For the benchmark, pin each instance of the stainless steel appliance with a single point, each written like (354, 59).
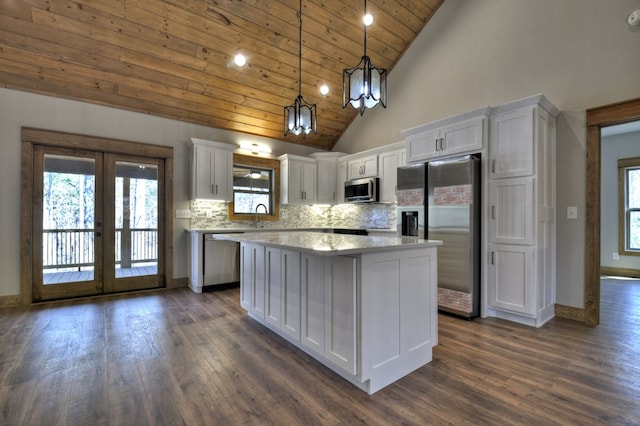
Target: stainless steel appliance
(410, 195)
(364, 190)
(220, 263)
(451, 194)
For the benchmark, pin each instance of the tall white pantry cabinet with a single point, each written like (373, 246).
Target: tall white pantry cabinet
(521, 278)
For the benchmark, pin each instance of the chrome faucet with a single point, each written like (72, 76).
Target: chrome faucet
(256, 217)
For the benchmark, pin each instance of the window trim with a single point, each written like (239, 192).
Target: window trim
(265, 163)
(623, 165)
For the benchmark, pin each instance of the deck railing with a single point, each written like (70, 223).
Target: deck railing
(73, 248)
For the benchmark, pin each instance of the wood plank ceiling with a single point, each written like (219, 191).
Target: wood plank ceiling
(173, 58)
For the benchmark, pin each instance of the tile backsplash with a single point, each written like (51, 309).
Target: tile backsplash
(210, 214)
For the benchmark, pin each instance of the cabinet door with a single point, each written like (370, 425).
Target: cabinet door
(512, 211)
(388, 175)
(246, 275)
(312, 306)
(423, 145)
(294, 190)
(257, 280)
(354, 169)
(291, 293)
(273, 286)
(309, 172)
(342, 178)
(370, 166)
(463, 137)
(326, 179)
(298, 182)
(511, 278)
(202, 180)
(223, 175)
(511, 146)
(340, 311)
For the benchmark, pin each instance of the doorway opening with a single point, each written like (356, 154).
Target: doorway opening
(597, 118)
(96, 218)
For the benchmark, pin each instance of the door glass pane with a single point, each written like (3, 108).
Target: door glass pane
(136, 219)
(68, 219)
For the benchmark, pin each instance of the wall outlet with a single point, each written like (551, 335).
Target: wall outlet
(183, 214)
(616, 256)
(284, 214)
(572, 212)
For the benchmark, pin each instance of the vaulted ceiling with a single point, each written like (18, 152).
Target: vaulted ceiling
(174, 58)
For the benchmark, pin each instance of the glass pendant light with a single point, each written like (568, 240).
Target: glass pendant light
(364, 86)
(300, 117)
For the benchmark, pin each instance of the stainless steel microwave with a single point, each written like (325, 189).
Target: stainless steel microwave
(365, 190)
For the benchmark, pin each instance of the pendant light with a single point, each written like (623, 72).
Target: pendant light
(300, 117)
(364, 86)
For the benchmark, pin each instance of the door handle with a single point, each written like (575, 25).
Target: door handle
(493, 257)
(493, 212)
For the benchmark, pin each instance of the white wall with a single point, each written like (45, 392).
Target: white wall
(19, 109)
(579, 53)
(614, 148)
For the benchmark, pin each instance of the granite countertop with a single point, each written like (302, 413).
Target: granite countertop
(254, 229)
(324, 244)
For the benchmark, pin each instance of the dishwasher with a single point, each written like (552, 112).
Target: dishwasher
(220, 263)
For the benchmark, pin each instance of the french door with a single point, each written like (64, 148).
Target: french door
(97, 223)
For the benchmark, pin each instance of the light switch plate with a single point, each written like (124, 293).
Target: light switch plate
(183, 214)
(572, 212)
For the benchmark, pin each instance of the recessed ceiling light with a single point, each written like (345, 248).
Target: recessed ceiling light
(324, 89)
(240, 60)
(367, 20)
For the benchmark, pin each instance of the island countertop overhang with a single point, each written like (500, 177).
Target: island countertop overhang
(323, 244)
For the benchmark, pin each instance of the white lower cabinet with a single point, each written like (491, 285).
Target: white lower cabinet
(340, 312)
(252, 278)
(273, 286)
(371, 318)
(282, 290)
(328, 308)
(511, 278)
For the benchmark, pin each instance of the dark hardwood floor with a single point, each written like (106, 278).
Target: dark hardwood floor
(175, 357)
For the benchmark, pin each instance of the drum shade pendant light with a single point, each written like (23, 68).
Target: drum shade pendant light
(364, 86)
(300, 117)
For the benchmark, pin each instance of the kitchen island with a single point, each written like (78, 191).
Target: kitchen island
(366, 307)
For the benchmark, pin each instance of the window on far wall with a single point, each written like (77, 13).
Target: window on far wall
(255, 182)
(629, 206)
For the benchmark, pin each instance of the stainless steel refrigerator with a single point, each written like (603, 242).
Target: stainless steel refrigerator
(452, 214)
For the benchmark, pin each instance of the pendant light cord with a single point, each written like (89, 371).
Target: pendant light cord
(300, 53)
(365, 28)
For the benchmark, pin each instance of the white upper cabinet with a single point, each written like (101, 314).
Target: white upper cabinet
(327, 177)
(297, 179)
(342, 178)
(362, 166)
(461, 134)
(511, 144)
(388, 163)
(211, 170)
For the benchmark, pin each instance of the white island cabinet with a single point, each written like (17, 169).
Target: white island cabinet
(366, 307)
